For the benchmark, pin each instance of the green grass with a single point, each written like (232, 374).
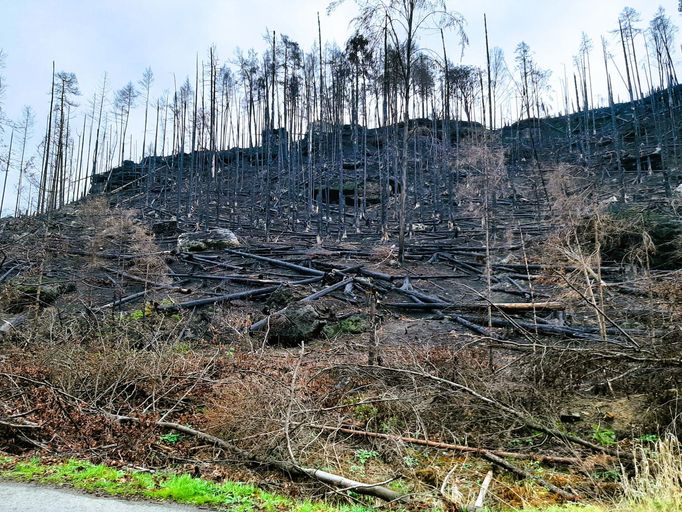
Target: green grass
(364, 456)
(166, 486)
(604, 436)
(171, 438)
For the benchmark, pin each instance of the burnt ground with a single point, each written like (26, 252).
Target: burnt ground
(544, 346)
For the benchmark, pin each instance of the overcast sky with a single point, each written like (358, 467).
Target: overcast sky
(123, 37)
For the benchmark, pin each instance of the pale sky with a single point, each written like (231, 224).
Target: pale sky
(123, 37)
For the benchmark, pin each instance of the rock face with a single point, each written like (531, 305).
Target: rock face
(117, 177)
(215, 239)
(165, 227)
(21, 293)
(296, 323)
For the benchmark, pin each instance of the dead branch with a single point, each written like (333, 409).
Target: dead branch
(448, 446)
(288, 468)
(478, 504)
(529, 422)
(525, 474)
(220, 298)
(19, 426)
(327, 290)
(512, 307)
(279, 263)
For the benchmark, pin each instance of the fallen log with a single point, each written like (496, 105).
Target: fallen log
(288, 468)
(109, 256)
(544, 268)
(378, 275)
(220, 298)
(498, 461)
(527, 306)
(471, 326)
(360, 269)
(584, 332)
(152, 284)
(11, 324)
(502, 306)
(204, 259)
(279, 263)
(327, 290)
(122, 301)
(232, 278)
(234, 296)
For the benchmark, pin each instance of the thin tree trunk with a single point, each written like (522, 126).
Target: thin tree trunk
(4, 184)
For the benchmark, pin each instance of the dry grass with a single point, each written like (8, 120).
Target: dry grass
(137, 363)
(383, 253)
(658, 477)
(231, 327)
(655, 487)
(117, 231)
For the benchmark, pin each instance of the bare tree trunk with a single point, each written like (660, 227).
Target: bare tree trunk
(27, 123)
(614, 126)
(373, 348)
(490, 93)
(269, 133)
(4, 184)
(46, 160)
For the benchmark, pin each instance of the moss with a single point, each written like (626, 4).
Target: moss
(355, 324)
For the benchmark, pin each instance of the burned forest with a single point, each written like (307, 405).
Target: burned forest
(360, 276)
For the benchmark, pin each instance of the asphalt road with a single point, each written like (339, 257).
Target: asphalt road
(16, 497)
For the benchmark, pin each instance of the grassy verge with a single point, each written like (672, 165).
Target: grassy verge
(656, 486)
(166, 486)
(652, 506)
